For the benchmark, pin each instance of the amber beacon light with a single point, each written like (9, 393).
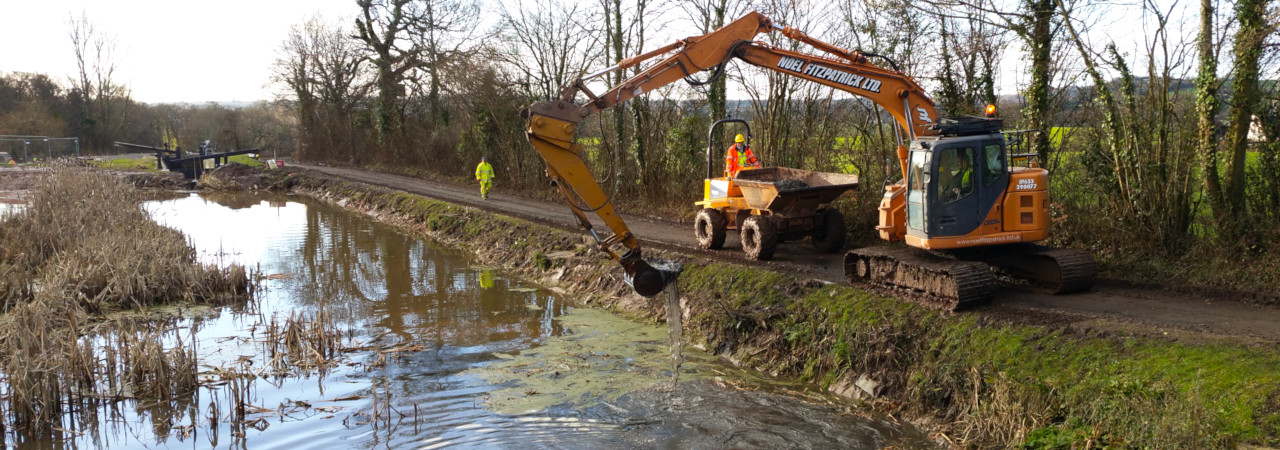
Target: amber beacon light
(991, 110)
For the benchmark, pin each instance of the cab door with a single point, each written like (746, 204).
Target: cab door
(994, 177)
(953, 190)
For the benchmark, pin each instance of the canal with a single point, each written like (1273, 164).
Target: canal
(427, 348)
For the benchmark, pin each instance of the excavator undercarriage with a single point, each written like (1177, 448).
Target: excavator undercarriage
(961, 279)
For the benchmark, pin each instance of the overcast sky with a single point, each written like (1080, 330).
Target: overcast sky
(166, 51)
(223, 50)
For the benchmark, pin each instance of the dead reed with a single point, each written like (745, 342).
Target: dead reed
(303, 342)
(85, 246)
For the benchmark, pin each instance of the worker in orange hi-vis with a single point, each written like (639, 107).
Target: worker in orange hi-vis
(739, 157)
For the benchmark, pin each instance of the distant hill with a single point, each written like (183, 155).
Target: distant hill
(228, 105)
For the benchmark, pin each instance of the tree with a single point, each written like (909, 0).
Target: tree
(325, 72)
(547, 45)
(446, 31)
(1254, 30)
(708, 16)
(970, 51)
(895, 30)
(383, 26)
(1035, 24)
(95, 93)
(30, 104)
(1143, 155)
(1036, 30)
(1207, 107)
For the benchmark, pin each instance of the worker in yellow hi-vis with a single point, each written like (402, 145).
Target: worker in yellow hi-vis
(484, 174)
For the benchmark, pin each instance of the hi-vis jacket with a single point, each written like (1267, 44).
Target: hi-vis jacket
(484, 171)
(735, 160)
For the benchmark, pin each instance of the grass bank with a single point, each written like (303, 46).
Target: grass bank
(81, 250)
(980, 381)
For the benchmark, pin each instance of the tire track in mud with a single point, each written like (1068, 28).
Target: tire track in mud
(1111, 307)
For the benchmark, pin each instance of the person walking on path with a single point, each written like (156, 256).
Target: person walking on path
(484, 174)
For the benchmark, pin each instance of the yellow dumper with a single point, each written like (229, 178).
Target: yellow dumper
(771, 205)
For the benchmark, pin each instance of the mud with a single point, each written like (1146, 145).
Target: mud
(20, 178)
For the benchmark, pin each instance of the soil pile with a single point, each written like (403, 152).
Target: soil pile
(234, 177)
(790, 185)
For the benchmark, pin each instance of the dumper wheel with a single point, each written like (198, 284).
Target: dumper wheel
(709, 228)
(829, 236)
(759, 238)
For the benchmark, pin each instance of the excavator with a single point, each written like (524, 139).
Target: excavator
(960, 207)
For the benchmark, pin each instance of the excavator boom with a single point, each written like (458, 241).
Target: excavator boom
(552, 124)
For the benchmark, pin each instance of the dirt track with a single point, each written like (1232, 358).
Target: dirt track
(1111, 307)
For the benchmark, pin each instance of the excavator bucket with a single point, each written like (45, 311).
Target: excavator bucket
(648, 279)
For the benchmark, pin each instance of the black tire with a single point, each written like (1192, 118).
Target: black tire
(709, 228)
(759, 238)
(830, 235)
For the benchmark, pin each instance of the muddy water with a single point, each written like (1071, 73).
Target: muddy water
(440, 352)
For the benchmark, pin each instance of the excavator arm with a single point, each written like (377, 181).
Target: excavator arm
(552, 125)
(553, 139)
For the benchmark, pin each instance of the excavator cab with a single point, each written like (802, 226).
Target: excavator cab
(953, 183)
(961, 191)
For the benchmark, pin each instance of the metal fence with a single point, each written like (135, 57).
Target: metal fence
(34, 148)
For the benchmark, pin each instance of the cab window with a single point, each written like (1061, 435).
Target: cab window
(955, 174)
(994, 164)
(916, 190)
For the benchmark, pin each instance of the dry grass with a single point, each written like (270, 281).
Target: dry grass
(85, 246)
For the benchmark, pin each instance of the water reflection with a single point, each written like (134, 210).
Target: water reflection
(423, 321)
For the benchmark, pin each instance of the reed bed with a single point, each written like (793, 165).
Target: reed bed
(84, 247)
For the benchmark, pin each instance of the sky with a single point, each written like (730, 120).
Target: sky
(166, 51)
(223, 50)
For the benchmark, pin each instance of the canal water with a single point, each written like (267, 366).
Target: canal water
(437, 350)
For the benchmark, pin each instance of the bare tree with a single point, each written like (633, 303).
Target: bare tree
(1146, 162)
(325, 72)
(1035, 23)
(896, 31)
(548, 44)
(95, 91)
(970, 52)
(447, 31)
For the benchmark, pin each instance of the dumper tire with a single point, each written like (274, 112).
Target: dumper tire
(829, 236)
(759, 238)
(709, 228)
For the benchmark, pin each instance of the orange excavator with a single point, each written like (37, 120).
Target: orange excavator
(961, 208)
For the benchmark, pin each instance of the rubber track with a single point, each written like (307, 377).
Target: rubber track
(950, 284)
